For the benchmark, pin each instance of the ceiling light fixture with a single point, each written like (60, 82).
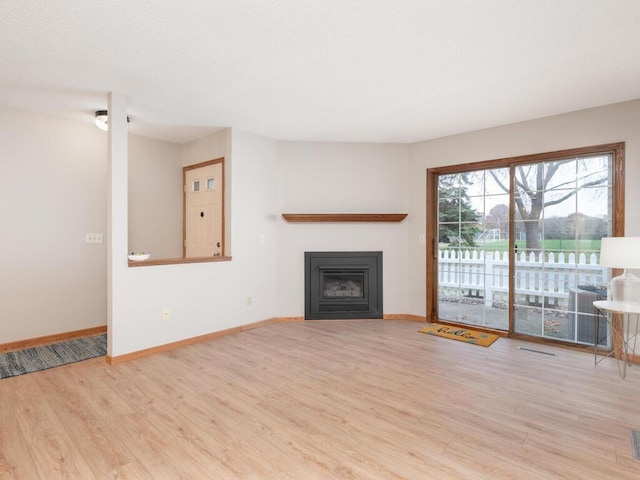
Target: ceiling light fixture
(102, 120)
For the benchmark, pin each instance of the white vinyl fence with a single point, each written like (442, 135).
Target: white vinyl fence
(486, 275)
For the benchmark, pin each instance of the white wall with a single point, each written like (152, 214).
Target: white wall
(613, 123)
(207, 297)
(52, 192)
(155, 197)
(341, 178)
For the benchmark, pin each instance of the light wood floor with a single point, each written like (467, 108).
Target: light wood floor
(325, 400)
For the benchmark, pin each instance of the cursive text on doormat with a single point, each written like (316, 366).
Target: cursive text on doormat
(460, 334)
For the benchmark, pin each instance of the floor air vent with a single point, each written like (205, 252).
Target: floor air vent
(537, 351)
(635, 443)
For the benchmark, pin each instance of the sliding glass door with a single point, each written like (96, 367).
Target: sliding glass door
(514, 243)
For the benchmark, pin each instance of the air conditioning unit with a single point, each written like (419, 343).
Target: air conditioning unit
(583, 314)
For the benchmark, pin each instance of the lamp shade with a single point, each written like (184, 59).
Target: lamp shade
(620, 252)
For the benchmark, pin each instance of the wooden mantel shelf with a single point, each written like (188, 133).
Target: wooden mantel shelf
(344, 217)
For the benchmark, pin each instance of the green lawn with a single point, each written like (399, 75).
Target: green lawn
(567, 246)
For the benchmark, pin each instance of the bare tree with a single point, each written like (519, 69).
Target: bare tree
(536, 189)
(498, 217)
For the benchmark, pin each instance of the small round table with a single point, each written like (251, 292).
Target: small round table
(629, 311)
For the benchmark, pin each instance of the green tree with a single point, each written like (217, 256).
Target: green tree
(498, 217)
(556, 228)
(457, 219)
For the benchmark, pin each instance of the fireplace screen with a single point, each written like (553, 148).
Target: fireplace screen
(343, 285)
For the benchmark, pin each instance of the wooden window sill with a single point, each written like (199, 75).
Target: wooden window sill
(175, 261)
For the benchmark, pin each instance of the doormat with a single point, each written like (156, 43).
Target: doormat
(54, 355)
(460, 334)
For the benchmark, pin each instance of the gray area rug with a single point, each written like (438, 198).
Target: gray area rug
(49, 356)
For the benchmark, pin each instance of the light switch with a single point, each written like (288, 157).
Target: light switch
(93, 238)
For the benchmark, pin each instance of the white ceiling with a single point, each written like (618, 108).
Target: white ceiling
(322, 70)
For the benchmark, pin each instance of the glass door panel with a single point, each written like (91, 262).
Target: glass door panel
(563, 209)
(473, 239)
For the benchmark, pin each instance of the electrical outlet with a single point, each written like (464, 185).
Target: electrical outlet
(249, 301)
(166, 313)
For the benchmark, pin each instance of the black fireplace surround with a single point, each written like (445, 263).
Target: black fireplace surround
(342, 285)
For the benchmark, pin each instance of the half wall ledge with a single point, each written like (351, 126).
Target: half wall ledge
(343, 217)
